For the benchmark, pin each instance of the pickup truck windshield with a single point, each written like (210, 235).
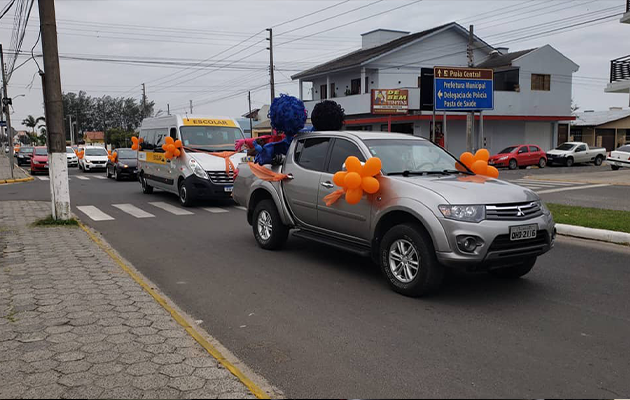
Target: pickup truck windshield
(413, 156)
(96, 152)
(565, 147)
(210, 138)
(127, 154)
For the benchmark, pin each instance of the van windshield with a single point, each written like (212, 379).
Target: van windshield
(210, 138)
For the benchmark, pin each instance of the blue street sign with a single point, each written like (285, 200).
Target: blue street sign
(3, 123)
(463, 89)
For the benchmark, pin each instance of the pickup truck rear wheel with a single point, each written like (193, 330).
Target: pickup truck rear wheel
(598, 161)
(516, 271)
(269, 231)
(408, 261)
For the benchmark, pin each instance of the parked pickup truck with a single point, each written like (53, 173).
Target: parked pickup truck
(426, 217)
(571, 153)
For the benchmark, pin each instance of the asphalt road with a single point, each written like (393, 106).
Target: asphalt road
(318, 322)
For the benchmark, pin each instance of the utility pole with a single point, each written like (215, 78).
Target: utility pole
(470, 117)
(251, 126)
(71, 131)
(191, 107)
(144, 100)
(168, 109)
(58, 163)
(6, 102)
(272, 80)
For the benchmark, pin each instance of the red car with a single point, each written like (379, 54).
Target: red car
(39, 160)
(522, 155)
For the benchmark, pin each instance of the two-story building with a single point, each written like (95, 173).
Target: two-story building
(532, 88)
(620, 67)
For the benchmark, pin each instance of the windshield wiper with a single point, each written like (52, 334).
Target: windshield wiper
(444, 172)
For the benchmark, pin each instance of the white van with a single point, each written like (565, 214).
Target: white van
(197, 174)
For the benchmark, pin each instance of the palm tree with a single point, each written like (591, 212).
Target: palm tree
(32, 122)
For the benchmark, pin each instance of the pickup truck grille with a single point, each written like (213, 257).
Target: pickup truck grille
(513, 212)
(221, 177)
(503, 244)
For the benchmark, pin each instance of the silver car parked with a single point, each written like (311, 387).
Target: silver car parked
(427, 216)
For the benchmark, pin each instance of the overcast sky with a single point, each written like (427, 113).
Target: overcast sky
(191, 31)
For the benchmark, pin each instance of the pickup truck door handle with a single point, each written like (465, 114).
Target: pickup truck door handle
(290, 176)
(328, 185)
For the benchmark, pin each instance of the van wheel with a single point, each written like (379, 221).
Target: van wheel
(598, 161)
(146, 188)
(186, 198)
(269, 231)
(408, 261)
(513, 164)
(109, 176)
(516, 271)
(542, 163)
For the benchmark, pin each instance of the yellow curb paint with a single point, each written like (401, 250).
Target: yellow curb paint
(256, 391)
(11, 181)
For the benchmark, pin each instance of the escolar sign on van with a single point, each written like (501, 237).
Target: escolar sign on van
(150, 157)
(208, 122)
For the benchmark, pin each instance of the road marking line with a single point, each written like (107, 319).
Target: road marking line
(100, 177)
(171, 209)
(83, 178)
(572, 188)
(212, 350)
(216, 210)
(546, 183)
(240, 208)
(133, 211)
(94, 213)
(43, 178)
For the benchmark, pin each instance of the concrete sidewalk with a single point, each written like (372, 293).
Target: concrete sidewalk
(609, 177)
(74, 324)
(5, 170)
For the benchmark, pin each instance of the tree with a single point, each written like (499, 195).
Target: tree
(32, 122)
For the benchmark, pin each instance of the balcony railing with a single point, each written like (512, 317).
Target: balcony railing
(620, 69)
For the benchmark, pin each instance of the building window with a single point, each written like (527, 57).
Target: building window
(355, 86)
(507, 81)
(367, 84)
(576, 134)
(323, 92)
(333, 92)
(541, 82)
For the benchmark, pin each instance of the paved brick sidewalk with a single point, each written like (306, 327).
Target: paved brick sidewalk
(73, 324)
(5, 171)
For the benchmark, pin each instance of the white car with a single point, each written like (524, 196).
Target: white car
(73, 160)
(94, 158)
(620, 158)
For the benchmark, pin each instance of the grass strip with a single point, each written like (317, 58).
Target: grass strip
(50, 222)
(612, 220)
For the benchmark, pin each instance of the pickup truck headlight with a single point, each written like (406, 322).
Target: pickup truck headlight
(197, 170)
(464, 213)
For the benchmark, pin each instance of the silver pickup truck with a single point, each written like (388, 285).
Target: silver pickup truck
(571, 153)
(427, 216)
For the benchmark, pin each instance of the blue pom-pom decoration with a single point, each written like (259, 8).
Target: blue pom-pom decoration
(287, 114)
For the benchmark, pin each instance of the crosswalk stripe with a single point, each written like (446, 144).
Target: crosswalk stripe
(216, 210)
(171, 209)
(133, 211)
(572, 188)
(94, 213)
(100, 177)
(548, 183)
(241, 208)
(43, 178)
(83, 178)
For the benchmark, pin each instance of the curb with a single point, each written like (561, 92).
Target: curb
(196, 335)
(594, 234)
(10, 181)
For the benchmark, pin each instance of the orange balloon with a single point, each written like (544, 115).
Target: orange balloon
(492, 172)
(177, 153)
(370, 185)
(171, 148)
(179, 144)
(340, 178)
(468, 159)
(353, 164)
(480, 167)
(353, 180)
(169, 140)
(372, 167)
(168, 155)
(354, 196)
(483, 155)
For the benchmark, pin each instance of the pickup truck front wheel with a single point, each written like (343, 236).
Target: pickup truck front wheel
(570, 162)
(269, 231)
(408, 261)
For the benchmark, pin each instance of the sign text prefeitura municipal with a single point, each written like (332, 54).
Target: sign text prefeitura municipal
(464, 89)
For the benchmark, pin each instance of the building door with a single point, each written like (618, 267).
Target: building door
(323, 92)
(563, 133)
(606, 138)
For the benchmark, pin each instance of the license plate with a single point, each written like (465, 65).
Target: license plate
(491, 162)
(523, 232)
(229, 189)
(46, 166)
